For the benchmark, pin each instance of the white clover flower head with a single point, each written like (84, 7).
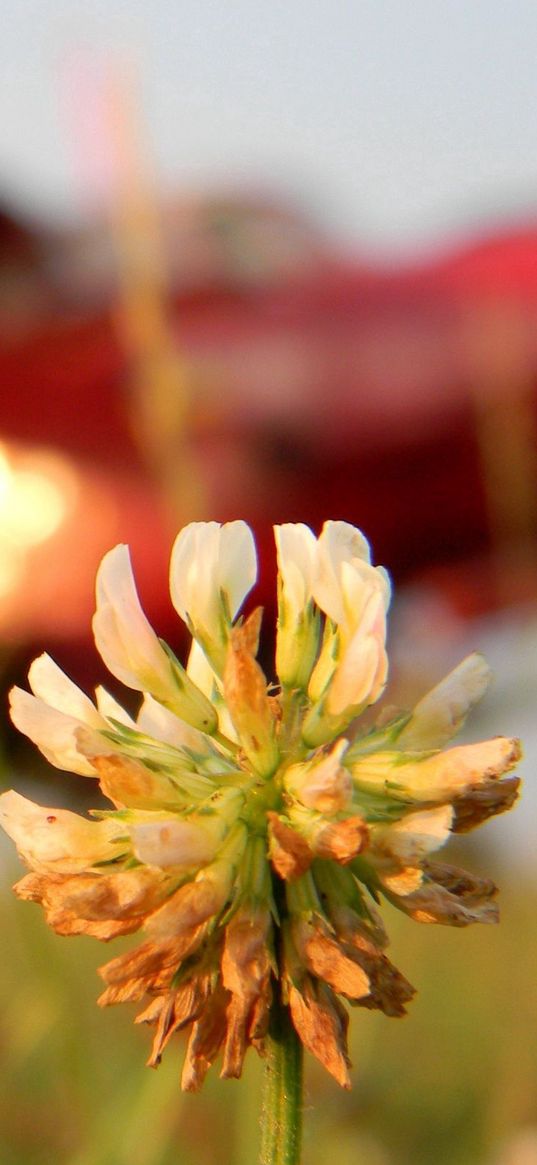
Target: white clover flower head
(255, 824)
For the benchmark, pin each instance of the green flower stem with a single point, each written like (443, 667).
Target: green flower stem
(281, 1117)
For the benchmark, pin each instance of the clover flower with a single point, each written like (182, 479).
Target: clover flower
(255, 826)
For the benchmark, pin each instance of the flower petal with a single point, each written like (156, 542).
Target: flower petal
(56, 839)
(212, 569)
(54, 732)
(441, 713)
(123, 634)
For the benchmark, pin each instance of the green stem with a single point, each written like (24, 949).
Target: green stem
(281, 1119)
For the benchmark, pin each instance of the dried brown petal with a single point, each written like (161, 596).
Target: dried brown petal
(173, 1011)
(321, 1022)
(245, 691)
(148, 968)
(324, 957)
(289, 853)
(246, 967)
(479, 802)
(451, 896)
(191, 905)
(205, 1041)
(102, 906)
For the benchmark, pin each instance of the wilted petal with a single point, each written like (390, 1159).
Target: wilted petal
(128, 783)
(205, 1041)
(289, 853)
(246, 967)
(323, 956)
(451, 896)
(322, 1022)
(245, 690)
(479, 802)
(341, 841)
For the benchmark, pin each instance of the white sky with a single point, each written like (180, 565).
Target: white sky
(396, 121)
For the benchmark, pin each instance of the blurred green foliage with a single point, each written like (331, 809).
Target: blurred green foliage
(449, 1084)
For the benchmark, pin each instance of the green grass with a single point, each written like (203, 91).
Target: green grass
(448, 1084)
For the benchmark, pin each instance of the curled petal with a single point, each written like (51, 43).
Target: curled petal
(479, 802)
(205, 1041)
(451, 896)
(246, 967)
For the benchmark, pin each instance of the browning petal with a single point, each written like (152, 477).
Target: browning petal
(245, 691)
(341, 841)
(452, 897)
(173, 1011)
(323, 956)
(246, 967)
(479, 802)
(321, 1022)
(205, 1041)
(289, 853)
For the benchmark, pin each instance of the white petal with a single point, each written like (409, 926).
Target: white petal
(110, 708)
(52, 731)
(442, 712)
(338, 543)
(361, 674)
(156, 721)
(200, 671)
(415, 836)
(237, 563)
(56, 839)
(296, 548)
(123, 634)
(51, 685)
(206, 559)
(173, 842)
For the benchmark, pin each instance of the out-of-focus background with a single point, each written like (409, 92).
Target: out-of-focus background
(276, 262)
